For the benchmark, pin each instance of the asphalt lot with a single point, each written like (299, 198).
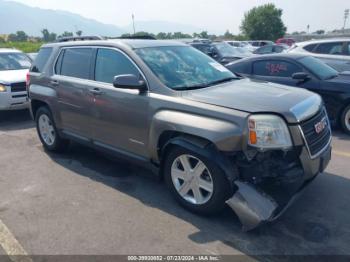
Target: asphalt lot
(84, 203)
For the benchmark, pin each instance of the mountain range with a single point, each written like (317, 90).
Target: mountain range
(20, 17)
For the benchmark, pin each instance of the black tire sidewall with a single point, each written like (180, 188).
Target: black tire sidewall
(221, 191)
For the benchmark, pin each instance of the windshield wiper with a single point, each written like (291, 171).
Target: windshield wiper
(228, 79)
(183, 88)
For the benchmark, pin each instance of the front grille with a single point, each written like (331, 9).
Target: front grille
(316, 141)
(18, 87)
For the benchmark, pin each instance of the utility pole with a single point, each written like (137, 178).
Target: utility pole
(346, 16)
(133, 23)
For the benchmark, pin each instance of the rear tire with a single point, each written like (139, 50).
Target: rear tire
(207, 191)
(345, 120)
(47, 131)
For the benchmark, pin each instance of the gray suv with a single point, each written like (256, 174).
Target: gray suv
(215, 138)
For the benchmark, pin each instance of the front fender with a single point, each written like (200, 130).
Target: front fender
(208, 151)
(226, 136)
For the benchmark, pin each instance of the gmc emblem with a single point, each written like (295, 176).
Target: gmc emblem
(320, 126)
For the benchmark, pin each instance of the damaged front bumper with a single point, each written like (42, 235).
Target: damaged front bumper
(254, 206)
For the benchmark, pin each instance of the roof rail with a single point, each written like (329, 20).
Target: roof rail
(79, 38)
(142, 37)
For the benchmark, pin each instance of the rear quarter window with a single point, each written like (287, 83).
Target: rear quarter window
(240, 68)
(41, 60)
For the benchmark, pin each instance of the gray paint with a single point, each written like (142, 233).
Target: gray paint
(131, 122)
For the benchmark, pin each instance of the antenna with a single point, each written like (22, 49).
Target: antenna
(133, 23)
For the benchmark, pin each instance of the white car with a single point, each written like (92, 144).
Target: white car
(241, 44)
(14, 66)
(334, 52)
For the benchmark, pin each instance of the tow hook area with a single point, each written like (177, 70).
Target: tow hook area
(251, 206)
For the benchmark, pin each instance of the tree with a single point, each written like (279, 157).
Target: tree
(20, 36)
(52, 37)
(12, 38)
(46, 35)
(66, 34)
(79, 33)
(161, 36)
(228, 35)
(320, 32)
(179, 35)
(204, 34)
(263, 22)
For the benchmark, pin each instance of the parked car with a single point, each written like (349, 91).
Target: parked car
(269, 49)
(260, 43)
(220, 51)
(306, 72)
(241, 44)
(14, 67)
(215, 138)
(334, 52)
(286, 41)
(32, 56)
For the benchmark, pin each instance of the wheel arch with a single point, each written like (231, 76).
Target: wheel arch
(36, 104)
(201, 146)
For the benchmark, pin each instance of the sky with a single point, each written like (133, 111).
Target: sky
(216, 16)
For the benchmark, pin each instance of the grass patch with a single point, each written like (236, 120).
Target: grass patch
(27, 47)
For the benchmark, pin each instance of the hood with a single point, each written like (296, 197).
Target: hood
(13, 76)
(254, 96)
(342, 78)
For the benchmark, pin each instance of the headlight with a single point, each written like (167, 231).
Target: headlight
(2, 88)
(268, 132)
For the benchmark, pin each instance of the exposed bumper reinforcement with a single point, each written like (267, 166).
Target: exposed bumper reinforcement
(254, 208)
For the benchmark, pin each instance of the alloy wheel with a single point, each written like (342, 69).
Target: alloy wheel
(192, 179)
(46, 129)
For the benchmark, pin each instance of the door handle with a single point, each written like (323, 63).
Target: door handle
(96, 91)
(54, 82)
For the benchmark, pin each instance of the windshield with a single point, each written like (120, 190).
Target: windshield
(227, 50)
(319, 68)
(14, 61)
(184, 67)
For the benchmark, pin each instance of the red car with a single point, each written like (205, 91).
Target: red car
(286, 41)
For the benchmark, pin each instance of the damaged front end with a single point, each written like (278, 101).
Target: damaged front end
(277, 164)
(268, 184)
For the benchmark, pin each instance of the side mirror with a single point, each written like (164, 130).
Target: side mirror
(129, 82)
(300, 76)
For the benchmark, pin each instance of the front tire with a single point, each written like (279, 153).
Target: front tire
(47, 131)
(196, 182)
(345, 120)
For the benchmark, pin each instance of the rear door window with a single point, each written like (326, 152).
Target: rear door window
(335, 48)
(41, 60)
(111, 63)
(275, 68)
(310, 48)
(76, 62)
